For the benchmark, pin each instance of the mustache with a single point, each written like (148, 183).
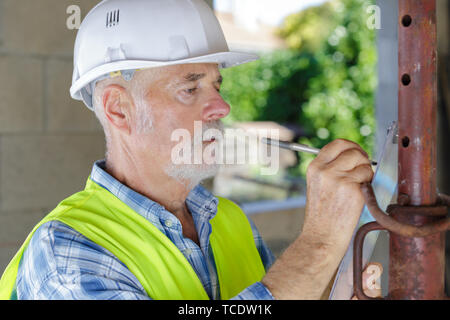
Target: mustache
(213, 129)
(218, 125)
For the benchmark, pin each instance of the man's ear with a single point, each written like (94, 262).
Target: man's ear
(117, 107)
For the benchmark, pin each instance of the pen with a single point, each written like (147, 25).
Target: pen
(296, 147)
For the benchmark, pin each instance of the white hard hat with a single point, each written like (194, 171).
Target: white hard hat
(121, 36)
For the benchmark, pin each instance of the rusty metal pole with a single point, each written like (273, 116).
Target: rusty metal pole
(417, 223)
(416, 268)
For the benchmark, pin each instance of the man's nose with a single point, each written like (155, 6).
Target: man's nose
(215, 108)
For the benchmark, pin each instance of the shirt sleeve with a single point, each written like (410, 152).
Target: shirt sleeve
(258, 291)
(61, 264)
(265, 253)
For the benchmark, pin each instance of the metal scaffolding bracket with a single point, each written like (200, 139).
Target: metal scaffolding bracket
(417, 223)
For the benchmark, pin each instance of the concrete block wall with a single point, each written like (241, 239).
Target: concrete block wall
(48, 142)
(279, 228)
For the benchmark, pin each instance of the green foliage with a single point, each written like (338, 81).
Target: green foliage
(307, 29)
(273, 88)
(324, 83)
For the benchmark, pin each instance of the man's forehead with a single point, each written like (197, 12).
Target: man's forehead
(194, 66)
(190, 71)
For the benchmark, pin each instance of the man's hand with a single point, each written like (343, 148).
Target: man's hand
(334, 198)
(371, 278)
(334, 204)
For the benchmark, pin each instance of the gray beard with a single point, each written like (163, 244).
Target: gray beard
(192, 174)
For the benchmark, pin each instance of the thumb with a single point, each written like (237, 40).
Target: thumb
(371, 280)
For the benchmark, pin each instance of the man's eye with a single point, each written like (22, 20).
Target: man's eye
(190, 91)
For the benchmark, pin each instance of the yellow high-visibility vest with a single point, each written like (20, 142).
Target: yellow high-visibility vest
(156, 262)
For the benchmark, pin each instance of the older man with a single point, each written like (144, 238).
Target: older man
(144, 228)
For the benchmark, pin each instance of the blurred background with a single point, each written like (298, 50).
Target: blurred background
(324, 73)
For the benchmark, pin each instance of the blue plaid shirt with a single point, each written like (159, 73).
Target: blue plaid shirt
(60, 263)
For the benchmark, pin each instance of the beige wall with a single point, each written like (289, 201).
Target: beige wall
(48, 141)
(279, 228)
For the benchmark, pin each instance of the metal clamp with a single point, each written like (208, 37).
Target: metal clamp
(407, 230)
(358, 259)
(389, 223)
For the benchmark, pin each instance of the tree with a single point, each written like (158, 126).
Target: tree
(324, 82)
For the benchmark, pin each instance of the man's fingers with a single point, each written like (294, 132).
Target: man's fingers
(349, 159)
(332, 150)
(360, 174)
(371, 279)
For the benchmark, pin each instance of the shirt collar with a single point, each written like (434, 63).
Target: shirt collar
(200, 202)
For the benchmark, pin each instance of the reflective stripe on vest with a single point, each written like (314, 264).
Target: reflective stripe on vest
(156, 262)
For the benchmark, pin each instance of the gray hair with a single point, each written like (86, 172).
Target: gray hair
(137, 87)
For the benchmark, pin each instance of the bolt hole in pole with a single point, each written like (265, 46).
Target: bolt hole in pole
(406, 79)
(405, 142)
(406, 20)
